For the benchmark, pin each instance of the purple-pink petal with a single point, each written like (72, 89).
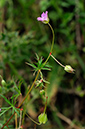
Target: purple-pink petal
(44, 14)
(39, 19)
(44, 17)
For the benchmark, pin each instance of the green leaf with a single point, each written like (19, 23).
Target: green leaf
(40, 61)
(6, 100)
(16, 88)
(32, 65)
(46, 69)
(16, 111)
(5, 110)
(46, 81)
(37, 56)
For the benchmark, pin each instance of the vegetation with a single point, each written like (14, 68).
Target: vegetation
(35, 90)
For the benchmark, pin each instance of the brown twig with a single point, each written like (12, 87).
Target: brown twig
(67, 120)
(72, 91)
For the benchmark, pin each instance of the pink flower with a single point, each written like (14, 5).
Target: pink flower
(44, 17)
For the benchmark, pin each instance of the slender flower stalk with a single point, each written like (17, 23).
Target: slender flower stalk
(53, 38)
(32, 120)
(57, 61)
(67, 68)
(45, 104)
(52, 43)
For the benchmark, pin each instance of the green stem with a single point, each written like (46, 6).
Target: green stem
(45, 105)
(53, 37)
(33, 120)
(51, 45)
(57, 61)
(29, 89)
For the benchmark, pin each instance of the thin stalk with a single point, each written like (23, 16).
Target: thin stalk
(32, 120)
(16, 120)
(53, 37)
(47, 59)
(57, 61)
(20, 120)
(45, 105)
(29, 89)
(52, 43)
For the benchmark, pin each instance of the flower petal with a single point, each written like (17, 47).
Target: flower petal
(39, 19)
(44, 17)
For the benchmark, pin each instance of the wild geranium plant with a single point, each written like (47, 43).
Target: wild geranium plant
(38, 82)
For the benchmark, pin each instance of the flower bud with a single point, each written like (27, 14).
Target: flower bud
(3, 83)
(69, 69)
(42, 92)
(42, 118)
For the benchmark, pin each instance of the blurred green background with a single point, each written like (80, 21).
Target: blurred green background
(21, 36)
